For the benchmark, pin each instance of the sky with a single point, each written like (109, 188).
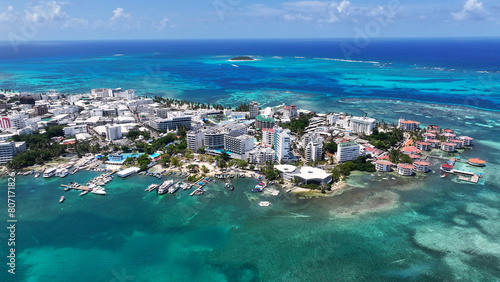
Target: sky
(199, 19)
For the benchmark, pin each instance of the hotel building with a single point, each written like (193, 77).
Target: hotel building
(363, 125)
(405, 169)
(238, 143)
(347, 151)
(421, 166)
(254, 109)
(195, 140)
(467, 140)
(408, 125)
(423, 146)
(448, 147)
(383, 165)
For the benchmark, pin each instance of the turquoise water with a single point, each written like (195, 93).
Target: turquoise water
(423, 228)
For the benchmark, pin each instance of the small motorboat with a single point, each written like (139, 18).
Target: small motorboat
(61, 199)
(264, 204)
(443, 175)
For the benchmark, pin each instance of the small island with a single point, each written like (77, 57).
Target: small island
(242, 58)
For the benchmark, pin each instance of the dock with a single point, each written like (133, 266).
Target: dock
(152, 187)
(196, 190)
(474, 179)
(84, 188)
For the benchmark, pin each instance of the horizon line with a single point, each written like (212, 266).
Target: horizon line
(254, 38)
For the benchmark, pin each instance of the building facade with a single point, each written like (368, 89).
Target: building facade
(363, 125)
(347, 151)
(383, 165)
(408, 125)
(405, 169)
(113, 132)
(254, 109)
(261, 155)
(161, 124)
(238, 143)
(195, 140)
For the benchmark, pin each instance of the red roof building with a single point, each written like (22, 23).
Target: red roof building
(383, 165)
(405, 169)
(421, 166)
(410, 150)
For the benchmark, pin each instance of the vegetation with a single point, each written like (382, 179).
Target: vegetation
(396, 156)
(299, 124)
(143, 161)
(384, 140)
(345, 169)
(331, 147)
(169, 102)
(134, 134)
(39, 148)
(205, 169)
(269, 171)
(242, 58)
(243, 108)
(311, 186)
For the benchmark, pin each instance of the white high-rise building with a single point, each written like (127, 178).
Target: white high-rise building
(363, 125)
(314, 149)
(332, 118)
(7, 151)
(282, 144)
(268, 136)
(195, 140)
(254, 109)
(238, 143)
(347, 151)
(261, 155)
(113, 132)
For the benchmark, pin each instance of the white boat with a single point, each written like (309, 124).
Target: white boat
(62, 172)
(49, 172)
(36, 175)
(84, 193)
(98, 190)
(264, 204)
(61, 199)
(164, 186)
(173, 188)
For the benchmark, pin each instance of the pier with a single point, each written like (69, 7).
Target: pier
(474, 179)
(81, 187)
(196, 190)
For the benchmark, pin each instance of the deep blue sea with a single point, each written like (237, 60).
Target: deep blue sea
(380, 227)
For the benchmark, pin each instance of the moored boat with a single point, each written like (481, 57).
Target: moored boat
(476, 162)
(172, 189)
(164, 186)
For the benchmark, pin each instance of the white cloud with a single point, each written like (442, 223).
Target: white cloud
(306, 6)
(259, 10)
(161, 25)
(472, 9)
(118, 13)
(45, 12)
(76, 23)
(8, 16)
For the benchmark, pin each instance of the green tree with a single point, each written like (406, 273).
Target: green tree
(204, 169)
(222, 164)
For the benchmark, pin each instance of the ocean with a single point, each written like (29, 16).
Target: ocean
(380, 228)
